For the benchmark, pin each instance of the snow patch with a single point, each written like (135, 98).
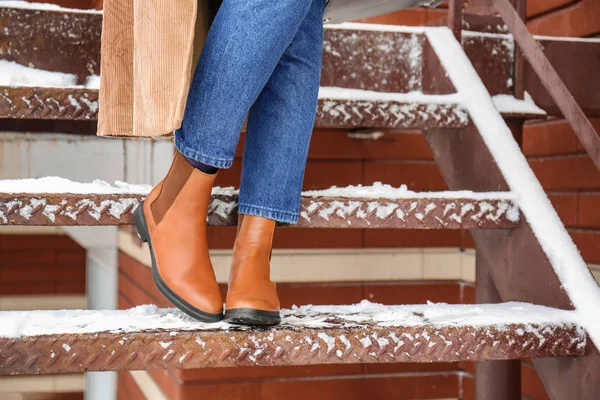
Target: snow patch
(53, 184)
(383, 191)
(508, 104)
(416, 97)
(14, 324)
(13, 74)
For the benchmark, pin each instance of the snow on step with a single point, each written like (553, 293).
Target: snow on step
(147, 337)
(16, 75)
(57, 201)
(341, 107)
(509, 105)
(360, 108)
(43, 7)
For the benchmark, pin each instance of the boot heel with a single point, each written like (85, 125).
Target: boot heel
(140, 223)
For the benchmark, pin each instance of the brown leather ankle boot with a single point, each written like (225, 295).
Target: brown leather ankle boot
(252, 296)
(172, 220)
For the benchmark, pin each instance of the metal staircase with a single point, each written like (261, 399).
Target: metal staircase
(413, 78)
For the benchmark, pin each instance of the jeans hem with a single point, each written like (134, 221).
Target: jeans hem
(280, 216)
(202, 158)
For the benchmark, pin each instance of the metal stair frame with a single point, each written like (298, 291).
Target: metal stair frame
(516, 260)
(524, 263)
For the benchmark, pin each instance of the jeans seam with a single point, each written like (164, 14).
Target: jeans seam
(268, 209)
(265, 212)
(187, 152)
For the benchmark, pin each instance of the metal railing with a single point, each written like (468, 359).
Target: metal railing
(533, 53)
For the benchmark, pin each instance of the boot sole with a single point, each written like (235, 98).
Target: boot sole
(252, 317)
(140, 222)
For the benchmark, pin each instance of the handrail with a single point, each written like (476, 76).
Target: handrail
(544, 70)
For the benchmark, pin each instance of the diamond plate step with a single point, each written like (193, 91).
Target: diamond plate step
(352, 207)
(45, 342)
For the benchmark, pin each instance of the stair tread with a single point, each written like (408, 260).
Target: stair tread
(26, 202)
(337, 108)
(148, 337)
(359, 109)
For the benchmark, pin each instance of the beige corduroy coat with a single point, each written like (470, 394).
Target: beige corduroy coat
(148, 48)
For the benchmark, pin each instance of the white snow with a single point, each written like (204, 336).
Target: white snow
(365, 135)
(13, 74)
(564, 256)
(337, 93)
(60, 185)
(382, 191)
(509, 36)
(567, 39)
(17, 75)
(377, 27)
(15, 324)
(92, 82)
(377, 191)
(474, 34)
(508, 104)
(43, 6)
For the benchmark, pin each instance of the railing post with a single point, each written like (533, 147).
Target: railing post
(519, 68)
(494, 380)
(455, 17)
(551, 80)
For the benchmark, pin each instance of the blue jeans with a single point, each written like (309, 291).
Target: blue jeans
(261, 56)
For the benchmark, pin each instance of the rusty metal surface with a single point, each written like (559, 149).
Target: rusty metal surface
(52, 40)
(70, 42)
(315, 212)
(577, 63)
(551, 80)
(455, 17)
(425, 213)
(492, 58)
(499, 379)
(47, 126)
(48, 103)
(67, 209)
(520, 62)
(372, 60)
(333, 113)
(82, 104)
(332, 341)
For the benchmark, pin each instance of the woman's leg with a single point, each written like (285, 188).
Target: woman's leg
(243, 47)
(279, 130)
(280, 125)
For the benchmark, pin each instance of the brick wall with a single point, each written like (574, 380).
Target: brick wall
(41, 265)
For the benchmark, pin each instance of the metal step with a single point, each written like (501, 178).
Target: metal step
(358, 108)
(353, 207)
(48, 342)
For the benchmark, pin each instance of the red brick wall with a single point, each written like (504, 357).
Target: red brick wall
(41, 265)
